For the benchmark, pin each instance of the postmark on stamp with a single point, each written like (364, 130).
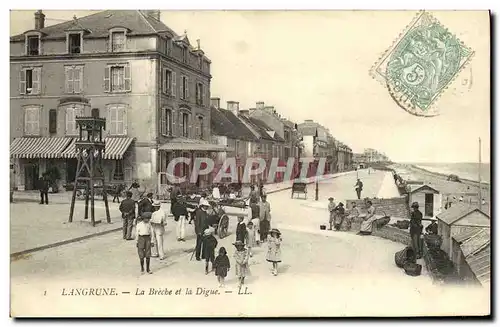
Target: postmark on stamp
(421, 64)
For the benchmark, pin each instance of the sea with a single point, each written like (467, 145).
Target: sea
(464, 170)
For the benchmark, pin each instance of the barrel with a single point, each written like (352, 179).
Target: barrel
(404, 256)
(413, 269)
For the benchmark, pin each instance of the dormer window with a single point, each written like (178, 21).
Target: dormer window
(168, 45)
(33, 45)
(118, 41)
(184, 54)
(75, 43)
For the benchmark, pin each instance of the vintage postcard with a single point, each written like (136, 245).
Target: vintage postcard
(249, 163)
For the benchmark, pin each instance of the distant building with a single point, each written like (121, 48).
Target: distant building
(372, 156)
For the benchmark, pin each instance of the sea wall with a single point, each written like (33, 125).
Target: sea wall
(394, 207)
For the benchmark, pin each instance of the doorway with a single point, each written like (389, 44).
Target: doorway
(30, 177)
(429, 205)
(71, 165)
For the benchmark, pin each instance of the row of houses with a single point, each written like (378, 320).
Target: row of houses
(153, 87)
(369, 156)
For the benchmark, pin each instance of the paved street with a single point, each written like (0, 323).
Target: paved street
(322, 273)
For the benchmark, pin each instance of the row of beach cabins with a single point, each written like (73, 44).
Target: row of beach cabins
(463, 221)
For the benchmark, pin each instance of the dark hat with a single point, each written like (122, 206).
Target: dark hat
(149, 194)
(414, 205)
(330, 199)
(340, 204)
(146, 215)
(275, 230)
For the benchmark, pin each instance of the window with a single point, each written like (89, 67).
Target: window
(118, 171)
(184, 54)
(52, 121)
(185, 125)
(29, 80)
(168, 82)
(32, 121)
(166, 122)
(117, 120)
(201, 126)
(117, 78)
(72, 112)
(185, 88)
(74, 78)
(95, 113)
(117, 41)
(74, 43)
(33, 43)
(200, 94)
(168, 45)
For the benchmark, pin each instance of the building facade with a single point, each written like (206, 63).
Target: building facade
(151, 85)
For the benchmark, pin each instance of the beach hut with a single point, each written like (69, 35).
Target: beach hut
(428, 198)
(472, 256)
(459, 219)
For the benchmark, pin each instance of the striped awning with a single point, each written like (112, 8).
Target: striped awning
(115, 148)
(181, 143)
(39, 147)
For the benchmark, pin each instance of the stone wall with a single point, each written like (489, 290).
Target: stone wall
(393, 207)
(393, 234)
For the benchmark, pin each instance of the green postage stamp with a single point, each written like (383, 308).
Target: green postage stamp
(421, 64)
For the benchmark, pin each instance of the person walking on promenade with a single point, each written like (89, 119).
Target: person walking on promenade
(146, 204)
(143, 232)
(274, 249)
(331, 211)
(43, 186)
(127, 208)
(265, 218)
(416, 229)
(358, 187)
(158, 223)
(241, 230)
(119, 189)
(200, 224)
(221, 266)
(366, 227)
(180, 213)
(209, 245)
(241, 258)
(250, 237)
(174, 195)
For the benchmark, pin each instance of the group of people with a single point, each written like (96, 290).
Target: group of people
(339, 218)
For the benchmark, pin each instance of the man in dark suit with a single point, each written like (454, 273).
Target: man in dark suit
(43, 186)
(416, 229)
(200, 224)
(146, 204)
(127, 208)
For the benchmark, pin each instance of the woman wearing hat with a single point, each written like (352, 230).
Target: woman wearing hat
(339, 216)
(241, 257)
(200, 224)
(158, 222)
(209, 245)
(274, 249)
(367, 223)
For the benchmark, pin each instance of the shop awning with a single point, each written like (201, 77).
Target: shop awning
(39, 147)
(114, 150)
(186, 144)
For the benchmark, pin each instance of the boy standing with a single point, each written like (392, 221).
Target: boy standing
(143, 235)
(331, 211)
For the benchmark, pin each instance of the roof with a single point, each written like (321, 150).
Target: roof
(464, 236)
(99, 24)
(230, 121)
(475, 243)
(480, 264)
(419, 187)
(263, 126)
(220, 124)
(262, 132)
(457, 212)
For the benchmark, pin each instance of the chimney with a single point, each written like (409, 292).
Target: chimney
(308, 121)
(233, 106)
(153, 14)
(259, 105)
(215, 102)
(198, 43)
(39, 20)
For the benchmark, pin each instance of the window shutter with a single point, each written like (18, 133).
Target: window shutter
(174, 83)
(69, 79)
(108, 45)
(187, 88)
(27, 120)
(36, 121)
(37, 76)
(125, 124)
(164, 80)
(162, 121)
(203, 95)
(107, 74)
(128, 78)
(77, 79)
(181, 124)
(52, 121)
(190, 128)
(22, 81)
(109, 122)
(69, 112)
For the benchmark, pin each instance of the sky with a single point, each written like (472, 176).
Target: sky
(315, 65)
